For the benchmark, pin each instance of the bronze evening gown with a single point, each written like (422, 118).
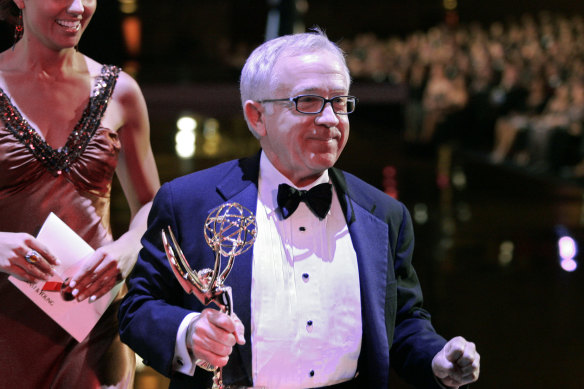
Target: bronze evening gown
(74, 182)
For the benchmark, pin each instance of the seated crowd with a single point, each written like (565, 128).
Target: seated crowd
(514, 90)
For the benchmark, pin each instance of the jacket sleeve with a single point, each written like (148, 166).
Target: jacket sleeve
(151, 312)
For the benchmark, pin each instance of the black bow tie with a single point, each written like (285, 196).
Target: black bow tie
(317, 198)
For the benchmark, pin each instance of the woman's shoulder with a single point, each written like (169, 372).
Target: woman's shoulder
(126, 85)
(7, 59)
(8, 66)
(127, 102)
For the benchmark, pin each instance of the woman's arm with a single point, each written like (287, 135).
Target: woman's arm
(139, 180)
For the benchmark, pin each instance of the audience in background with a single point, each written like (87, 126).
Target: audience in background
(512, 90)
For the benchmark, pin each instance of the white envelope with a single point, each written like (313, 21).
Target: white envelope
(77, 318)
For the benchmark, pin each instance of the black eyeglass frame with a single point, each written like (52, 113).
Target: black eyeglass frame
(324, 101)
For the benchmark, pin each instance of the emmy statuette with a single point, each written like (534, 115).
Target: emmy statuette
(230, 230)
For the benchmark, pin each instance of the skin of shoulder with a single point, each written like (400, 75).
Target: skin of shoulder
(127, 113)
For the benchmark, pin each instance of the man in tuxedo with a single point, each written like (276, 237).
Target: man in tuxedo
(328, 295)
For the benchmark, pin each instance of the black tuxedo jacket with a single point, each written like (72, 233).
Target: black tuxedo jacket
(396, 329)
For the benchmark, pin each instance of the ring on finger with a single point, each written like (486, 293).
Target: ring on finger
(32, 256)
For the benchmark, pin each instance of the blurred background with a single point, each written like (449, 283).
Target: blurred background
(470, 112)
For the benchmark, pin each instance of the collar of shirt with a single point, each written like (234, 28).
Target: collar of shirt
(270, 178)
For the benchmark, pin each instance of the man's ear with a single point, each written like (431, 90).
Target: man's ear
(255, 114)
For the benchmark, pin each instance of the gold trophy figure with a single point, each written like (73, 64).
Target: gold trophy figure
(230, 230)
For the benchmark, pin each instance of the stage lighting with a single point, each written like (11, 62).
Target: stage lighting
(567, 249)
(185, 137)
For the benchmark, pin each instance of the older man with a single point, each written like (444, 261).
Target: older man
(328, 295)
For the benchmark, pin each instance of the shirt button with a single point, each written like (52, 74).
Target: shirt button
(305, 276)
(311, 373)
(309, 323)
(302, 229)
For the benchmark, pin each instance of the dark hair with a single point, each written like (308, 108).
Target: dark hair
(9, 11)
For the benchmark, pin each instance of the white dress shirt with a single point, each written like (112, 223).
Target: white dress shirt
(305, 299)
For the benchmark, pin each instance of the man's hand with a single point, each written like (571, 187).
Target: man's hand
(212, 335)
(458, 363)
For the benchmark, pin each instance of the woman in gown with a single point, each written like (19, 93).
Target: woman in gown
(67, 124)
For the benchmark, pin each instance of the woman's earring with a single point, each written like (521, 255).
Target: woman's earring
(18, 29)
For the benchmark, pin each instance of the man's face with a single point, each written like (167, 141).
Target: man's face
(302, 146)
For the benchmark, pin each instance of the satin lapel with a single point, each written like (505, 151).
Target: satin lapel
(370, 240)
(240, 186)
(370, 237)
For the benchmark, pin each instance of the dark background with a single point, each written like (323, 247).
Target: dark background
(525, 315)
(186, 40)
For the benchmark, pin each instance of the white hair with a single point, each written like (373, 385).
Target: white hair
(256, 76)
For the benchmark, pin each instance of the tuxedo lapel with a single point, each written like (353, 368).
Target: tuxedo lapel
(370, 238)
(240, 185)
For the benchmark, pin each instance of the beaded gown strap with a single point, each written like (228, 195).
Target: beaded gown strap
(60, 160)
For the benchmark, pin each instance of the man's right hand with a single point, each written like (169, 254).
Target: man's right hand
(212, 335)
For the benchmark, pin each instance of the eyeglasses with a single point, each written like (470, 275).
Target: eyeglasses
(313, 104)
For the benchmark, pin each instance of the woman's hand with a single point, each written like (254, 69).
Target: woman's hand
(14, 248)
(111, 263)
(103, 269)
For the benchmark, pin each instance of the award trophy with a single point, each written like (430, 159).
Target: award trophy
(230, 230)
